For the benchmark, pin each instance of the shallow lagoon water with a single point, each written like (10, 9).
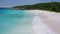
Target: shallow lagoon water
(15, 22)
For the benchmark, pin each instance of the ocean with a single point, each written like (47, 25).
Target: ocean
(15, 21)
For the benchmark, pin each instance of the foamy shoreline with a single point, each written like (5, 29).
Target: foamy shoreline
(39, 27)
(51, 19)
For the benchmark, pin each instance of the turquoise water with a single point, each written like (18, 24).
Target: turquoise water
(15, 21)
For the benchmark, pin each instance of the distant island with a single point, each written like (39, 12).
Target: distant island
(51, 6)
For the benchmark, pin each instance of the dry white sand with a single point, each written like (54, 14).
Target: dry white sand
(39, 27)
(45, 22)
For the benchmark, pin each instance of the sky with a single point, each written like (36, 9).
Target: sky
(9, 3)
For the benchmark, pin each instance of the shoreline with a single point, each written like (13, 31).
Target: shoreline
(39, 27)
(52, 19)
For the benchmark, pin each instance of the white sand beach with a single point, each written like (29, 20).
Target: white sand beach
(45, 22)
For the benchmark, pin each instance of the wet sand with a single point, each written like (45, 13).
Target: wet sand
(51, 19)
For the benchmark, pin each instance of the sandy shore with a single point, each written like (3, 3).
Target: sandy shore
(51, 19)
(39, 27)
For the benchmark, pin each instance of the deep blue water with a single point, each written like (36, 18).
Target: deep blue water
(15, 21)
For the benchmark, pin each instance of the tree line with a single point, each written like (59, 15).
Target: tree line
(51, 6)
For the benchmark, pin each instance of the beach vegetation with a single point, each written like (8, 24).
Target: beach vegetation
(51, 6)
